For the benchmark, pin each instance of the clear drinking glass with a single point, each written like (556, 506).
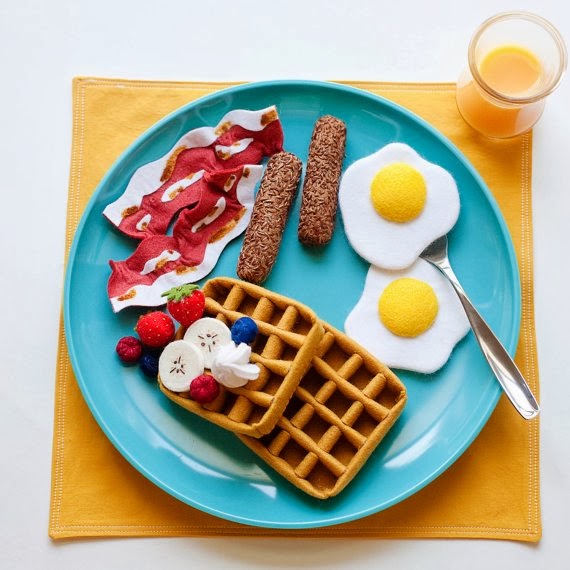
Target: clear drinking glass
(516, 59)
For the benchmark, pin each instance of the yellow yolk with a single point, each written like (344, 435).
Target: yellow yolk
(408, 307)
(398, 192)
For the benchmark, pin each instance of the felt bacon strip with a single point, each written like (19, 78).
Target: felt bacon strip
(157, 191)
(199, 236)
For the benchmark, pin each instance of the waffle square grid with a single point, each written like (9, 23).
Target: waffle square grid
(288, 336)
(341, 410)
(321, 404)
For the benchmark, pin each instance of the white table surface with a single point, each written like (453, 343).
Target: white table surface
(44, 44)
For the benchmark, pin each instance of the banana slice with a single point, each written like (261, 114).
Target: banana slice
(208, 335)
(179, 363)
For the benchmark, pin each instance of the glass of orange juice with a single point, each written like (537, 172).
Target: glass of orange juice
(515, 60)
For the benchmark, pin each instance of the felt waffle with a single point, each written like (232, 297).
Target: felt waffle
(343, 407)
(289, 335)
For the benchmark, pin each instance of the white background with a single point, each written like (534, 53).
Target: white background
(44, 44)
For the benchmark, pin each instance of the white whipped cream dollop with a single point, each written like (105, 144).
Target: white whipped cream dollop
(231, 366)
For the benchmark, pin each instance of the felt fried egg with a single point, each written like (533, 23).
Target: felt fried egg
(409, 319)
(394, 203)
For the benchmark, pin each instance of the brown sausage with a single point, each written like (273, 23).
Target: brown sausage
(320, 189)
(269, 216)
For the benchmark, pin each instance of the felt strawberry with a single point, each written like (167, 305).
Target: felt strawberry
(155, 329)
(204, 389)
(185, 303)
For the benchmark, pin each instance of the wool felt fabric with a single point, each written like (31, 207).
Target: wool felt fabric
(491, 491)
(159, 189)
(388, 244)
(262, 240)
(424, 353)
(222, 212)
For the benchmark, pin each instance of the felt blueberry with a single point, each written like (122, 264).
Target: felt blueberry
(149, 363)
(244, 330)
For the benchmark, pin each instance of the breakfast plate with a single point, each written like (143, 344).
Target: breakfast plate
(209, 468)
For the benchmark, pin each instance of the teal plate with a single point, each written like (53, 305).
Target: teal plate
(207, 467)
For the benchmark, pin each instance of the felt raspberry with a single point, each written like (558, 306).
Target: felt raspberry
(204, 389)
(244, 330)
(129, 349)
(185, 303)
(155, 329)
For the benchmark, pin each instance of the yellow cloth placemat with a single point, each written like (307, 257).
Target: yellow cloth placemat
(492, 491)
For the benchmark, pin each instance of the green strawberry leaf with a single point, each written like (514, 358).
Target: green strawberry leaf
(179, 293)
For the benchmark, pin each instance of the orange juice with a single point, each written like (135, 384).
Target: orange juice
(515, 60)
(512, 72)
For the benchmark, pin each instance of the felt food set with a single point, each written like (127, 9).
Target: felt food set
(287, 337)
(320, 403)
(312, 401)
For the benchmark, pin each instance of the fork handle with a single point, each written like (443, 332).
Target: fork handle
(509, 376)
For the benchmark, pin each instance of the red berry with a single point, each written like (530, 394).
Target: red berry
(204, 389)
(185, 303)
(129, 349)
(155, 329)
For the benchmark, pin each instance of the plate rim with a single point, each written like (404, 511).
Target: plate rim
(288, 83)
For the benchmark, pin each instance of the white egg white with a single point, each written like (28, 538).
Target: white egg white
(387, 244)
(427, 352)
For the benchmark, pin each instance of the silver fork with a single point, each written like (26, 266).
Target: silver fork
(509, 376)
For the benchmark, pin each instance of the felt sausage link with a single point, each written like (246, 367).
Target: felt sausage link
(320, 189)
(270, 212)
